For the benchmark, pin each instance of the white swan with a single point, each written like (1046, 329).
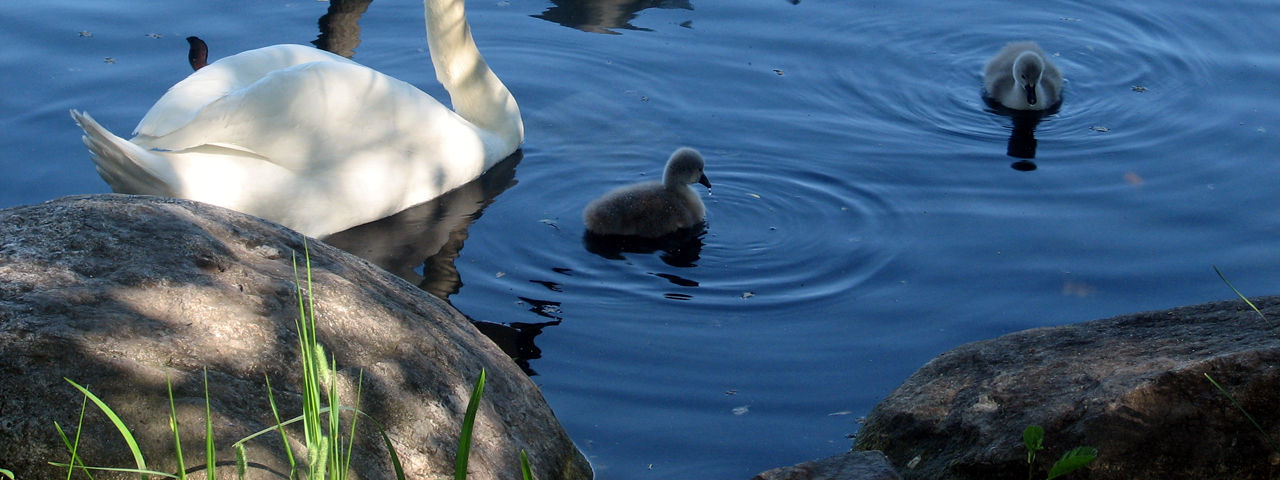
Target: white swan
(313, 140)
(652, 209)
(1021, 77)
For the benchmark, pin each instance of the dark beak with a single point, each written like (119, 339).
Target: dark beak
(703, 180)
(1031, 94)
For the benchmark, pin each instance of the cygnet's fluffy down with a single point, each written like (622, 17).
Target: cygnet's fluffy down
(652, 209)
(1021, 77)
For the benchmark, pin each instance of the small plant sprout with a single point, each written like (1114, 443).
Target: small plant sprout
(1033, 439)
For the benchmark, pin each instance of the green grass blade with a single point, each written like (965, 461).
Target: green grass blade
(525, 472)
(1246, 414)
(355, 419)
(284, 439)
(173, 427)
(334, 458)
(7, 473)
(391, 449)
(210, 451)
(74, 448)
(1238, 294)
(468, 422)
(75, 458)
(139, 471)
(115, 419)
(1072, 460)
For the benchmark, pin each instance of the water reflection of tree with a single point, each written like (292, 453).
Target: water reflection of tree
(602, 16)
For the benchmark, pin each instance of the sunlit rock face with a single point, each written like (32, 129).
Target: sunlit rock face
(1132, 386)
(119, 292)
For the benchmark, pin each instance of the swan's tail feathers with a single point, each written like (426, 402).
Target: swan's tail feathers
(127, 167)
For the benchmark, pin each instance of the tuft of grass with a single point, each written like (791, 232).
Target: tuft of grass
(328, 453)
(1033, 439)
(329, 456)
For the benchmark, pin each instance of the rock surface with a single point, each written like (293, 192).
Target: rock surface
(116, 292)
(1133, 386)
(853, 465)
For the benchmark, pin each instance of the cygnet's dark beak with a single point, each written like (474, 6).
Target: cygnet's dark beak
(703, 180)
(1031, 93)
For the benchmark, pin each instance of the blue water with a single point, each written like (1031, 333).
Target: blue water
(864, 216)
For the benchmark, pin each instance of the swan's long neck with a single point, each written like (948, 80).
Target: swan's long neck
(475, 91)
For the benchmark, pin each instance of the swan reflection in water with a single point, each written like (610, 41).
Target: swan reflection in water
(1022, 138)
(421, 244)
(340, 27)
(602, 16)
(429, 235)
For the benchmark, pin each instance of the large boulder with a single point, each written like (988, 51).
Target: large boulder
(1133, 386)
(117, 292)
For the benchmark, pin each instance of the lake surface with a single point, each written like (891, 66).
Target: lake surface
(864, 216)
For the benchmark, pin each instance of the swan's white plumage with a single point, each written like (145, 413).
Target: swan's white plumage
(313, 140)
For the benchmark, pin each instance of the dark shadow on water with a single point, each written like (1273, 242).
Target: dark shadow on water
(1022, 139)
(679, 249)
(603, 16)
(422, 243)
(516, 340)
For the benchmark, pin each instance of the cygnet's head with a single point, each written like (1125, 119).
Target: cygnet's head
(684, 167)
(1028, 68)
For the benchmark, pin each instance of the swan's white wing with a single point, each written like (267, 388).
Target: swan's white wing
(325, 115)
(184, 99)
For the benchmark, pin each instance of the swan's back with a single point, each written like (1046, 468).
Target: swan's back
(183, 101)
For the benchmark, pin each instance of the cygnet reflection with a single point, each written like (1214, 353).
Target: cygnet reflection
(1022, 137)
(652, 209)
(1021, 83)
(681, 248)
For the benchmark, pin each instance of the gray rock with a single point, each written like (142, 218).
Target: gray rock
(117, 292)
(853, 465)
(1133, 386)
